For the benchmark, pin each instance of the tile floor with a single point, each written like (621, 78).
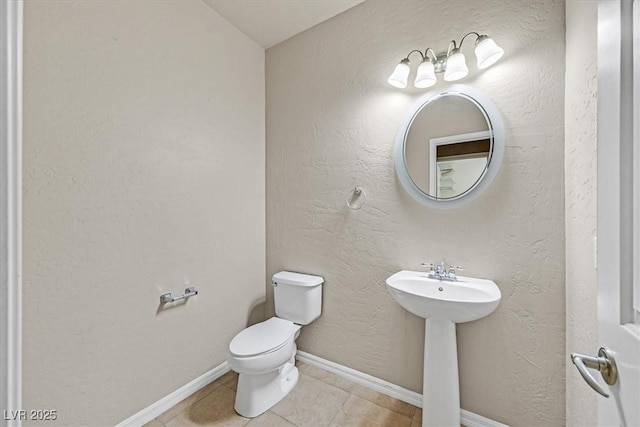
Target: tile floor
(319, 399)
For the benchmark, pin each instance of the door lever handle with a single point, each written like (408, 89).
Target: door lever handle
(604, 363)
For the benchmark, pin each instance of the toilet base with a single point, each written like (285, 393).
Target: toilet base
(258, 393)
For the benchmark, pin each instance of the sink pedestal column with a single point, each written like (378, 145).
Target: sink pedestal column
(440, 390)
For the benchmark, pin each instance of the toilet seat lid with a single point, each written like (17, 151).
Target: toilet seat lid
(262, 337)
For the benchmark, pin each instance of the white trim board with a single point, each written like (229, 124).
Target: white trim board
(468, 419)
(11, 24)
(172, 399)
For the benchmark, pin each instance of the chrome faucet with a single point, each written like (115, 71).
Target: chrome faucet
(440, 272)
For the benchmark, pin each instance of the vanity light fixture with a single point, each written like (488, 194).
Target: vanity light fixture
(452, 63)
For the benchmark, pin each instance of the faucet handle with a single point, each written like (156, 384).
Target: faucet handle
(451, 274)
(453, 269)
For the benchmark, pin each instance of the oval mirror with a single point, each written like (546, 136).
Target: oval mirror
(449, 147)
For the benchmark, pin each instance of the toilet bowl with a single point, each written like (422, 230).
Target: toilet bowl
(264, 354)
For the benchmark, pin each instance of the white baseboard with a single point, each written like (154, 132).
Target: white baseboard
(468, 419)
(172, 399)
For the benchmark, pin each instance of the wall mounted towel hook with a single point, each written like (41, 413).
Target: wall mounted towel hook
(357, 198)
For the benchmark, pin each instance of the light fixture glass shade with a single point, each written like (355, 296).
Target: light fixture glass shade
(456, 66)
(426, 76)
(487, 52)
(400, 75)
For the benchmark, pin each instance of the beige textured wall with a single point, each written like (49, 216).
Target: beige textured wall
(143, 172)
(581, 203)
(331, 122)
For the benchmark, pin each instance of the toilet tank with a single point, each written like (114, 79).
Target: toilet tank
(298, 297)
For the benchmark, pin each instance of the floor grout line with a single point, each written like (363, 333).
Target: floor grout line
(282, 418)
(339, 409)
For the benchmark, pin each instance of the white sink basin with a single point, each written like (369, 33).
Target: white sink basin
(442, 304)
(462, 301)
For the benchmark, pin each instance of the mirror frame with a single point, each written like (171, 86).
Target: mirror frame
(494, 121)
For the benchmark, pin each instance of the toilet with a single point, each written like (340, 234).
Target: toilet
(264, 354)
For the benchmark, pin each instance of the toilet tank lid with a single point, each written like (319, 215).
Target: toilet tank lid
(296, 279)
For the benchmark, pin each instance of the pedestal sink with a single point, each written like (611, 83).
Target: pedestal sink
(442, 304)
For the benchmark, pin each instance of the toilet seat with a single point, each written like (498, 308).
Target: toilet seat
(264, 337)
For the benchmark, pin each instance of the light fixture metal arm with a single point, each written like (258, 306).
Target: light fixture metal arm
(415, 50)
(449, 48)
(426, 53)
(468, 34)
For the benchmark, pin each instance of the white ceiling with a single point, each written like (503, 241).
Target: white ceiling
(269, 22)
